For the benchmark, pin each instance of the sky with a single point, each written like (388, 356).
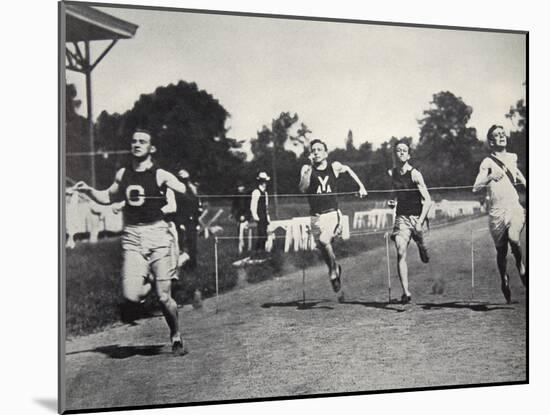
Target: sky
(375, 80)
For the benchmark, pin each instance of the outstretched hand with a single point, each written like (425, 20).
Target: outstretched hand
(117, 207)
(362, 192)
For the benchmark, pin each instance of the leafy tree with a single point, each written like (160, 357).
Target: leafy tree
(78, 167)
(518, 137)
(301, 134)
(349, 142)
(448, 152)
(349, 154)
(518, 114)
(190, 128)
(269, 149)
(278, 136)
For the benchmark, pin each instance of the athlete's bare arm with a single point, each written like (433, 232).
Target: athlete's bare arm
(305, 176)
(484, 178)
(103, 197)
(169, 180)
(170, 206)
(417, 178)
(342, 168)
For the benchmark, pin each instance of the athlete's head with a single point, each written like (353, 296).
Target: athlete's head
(142, 144)
(496, 137)
(402, 151)
(318, 151)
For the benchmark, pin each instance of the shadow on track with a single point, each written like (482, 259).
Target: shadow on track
(374, 304)
(463, 305)
(123, 352)
(300, 305)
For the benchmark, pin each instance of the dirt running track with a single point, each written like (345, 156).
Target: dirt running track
(264, 343)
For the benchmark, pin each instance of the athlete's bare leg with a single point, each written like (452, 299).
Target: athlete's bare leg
(135, 284)
(402, 269)
(169, 306)
(328, 256)
(502, 253)
(516, 252)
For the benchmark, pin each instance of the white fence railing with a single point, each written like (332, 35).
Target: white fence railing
(87, 217)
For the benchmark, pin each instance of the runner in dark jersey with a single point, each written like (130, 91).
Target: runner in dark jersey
(319, 182)
(413, 204)
(148, 244)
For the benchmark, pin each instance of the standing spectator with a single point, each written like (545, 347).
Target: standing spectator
(259, 212)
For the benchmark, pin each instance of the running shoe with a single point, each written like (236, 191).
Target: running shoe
(179, 348)
(336, 281)
(406, 299)
(505, 287)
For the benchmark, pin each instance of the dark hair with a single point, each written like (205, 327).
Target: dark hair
(402, 141)
(490, 132)
(317, 141)
(148, 132)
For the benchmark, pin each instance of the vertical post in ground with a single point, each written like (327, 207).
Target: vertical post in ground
(386, 237)
(472, 255)
(303, 285)
(216, 266)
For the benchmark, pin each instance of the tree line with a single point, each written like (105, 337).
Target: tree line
(190, 125)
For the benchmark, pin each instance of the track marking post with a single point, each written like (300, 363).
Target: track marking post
(216, 267)
(303, 285)
(472, 255)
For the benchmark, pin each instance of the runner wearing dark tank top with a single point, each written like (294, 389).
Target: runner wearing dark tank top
(148, 246)
(413, 203)
(319, 180)
(144, 198)
(322, 191)
(409, 199)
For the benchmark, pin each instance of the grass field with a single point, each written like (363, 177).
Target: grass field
(264, 341)
(93, 271)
